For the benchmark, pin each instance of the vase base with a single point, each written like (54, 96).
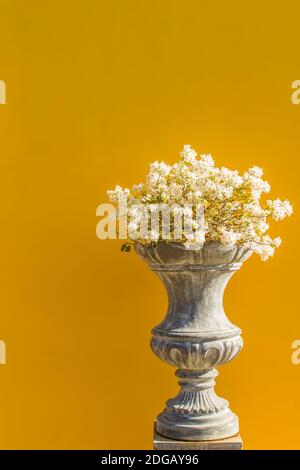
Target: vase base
(164, 443)
(197, 413)
(199, 428)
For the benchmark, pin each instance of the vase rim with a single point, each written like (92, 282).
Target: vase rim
(212, 246)
(175, 256)
(180, 245)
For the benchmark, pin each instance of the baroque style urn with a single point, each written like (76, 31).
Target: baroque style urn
(195, 335)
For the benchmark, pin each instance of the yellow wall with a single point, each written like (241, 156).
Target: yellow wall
(95, 91)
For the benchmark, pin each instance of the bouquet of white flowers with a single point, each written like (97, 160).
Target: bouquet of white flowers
(232, 208)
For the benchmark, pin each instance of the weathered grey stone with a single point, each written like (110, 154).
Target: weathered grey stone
(165, 443)
(195, 336)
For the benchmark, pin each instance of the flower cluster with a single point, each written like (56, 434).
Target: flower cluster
(233, 213)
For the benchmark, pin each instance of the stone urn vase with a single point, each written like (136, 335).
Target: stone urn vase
(195, 335)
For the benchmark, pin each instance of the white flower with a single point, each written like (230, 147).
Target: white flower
(230, 178)
(198, 194)
(160, 167)
(138, 187)
(117, 193)
(188, 154)
(207, 160)
(256, 172)
(223, 192)
(264, 251)
(136, 212)
(233, 211)
(195, 240)
(175, 190)
(153, 178)
(277, 242)
(228, 236)
(209, 186)
(262, 226)
(279, 209)
(255, 210)
(258, 186)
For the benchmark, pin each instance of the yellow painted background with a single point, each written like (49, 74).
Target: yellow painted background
(96, 90)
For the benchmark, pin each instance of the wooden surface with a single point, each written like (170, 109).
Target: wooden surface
(164, 443)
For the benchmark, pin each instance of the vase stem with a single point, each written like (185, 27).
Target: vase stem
(197, 412)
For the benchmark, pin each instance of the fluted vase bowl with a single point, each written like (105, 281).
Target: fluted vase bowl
(196, 335)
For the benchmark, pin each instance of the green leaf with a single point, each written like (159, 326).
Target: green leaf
(126, 247)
